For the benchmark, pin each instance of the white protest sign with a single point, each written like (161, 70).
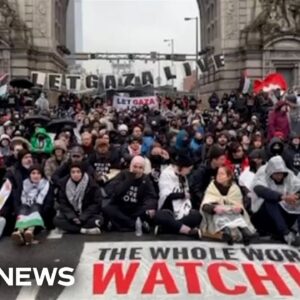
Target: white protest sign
(120, 102)
(185, 270)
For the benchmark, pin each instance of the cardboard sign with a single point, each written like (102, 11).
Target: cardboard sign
(126, 102)
(185, 270)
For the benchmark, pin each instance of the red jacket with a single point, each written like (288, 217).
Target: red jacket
(278, 122)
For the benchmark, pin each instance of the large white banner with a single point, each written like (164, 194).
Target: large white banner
(120, 102)
(184, 270)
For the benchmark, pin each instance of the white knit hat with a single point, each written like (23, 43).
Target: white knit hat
(123, 127)
(5, 137)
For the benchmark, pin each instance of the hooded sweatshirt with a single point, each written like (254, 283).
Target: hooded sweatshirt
(44, 145)
(264, 188)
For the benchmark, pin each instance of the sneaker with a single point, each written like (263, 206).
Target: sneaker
(2, 225)
(227, 237)
(17, 237)
(196, 232)
(296, 241)
(247, 235)
(289, 238)
(91, 231)
(146, 227)
(157, 230)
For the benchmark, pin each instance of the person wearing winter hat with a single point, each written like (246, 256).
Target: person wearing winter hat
(132, 196)
(175, 213)
(34, 206)
(279, 120)
(201, 177)
(105, 161)
(56, 160)
(79, 203)
(14, 180)
(76, 156)
(5, 145)
(291, 153)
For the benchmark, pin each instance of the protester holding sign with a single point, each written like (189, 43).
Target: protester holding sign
(223, 211)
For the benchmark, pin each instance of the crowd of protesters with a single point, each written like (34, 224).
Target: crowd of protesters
(229, 172)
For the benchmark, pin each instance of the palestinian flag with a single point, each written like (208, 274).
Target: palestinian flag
(246, 84)
(273, 81)
(29, 217)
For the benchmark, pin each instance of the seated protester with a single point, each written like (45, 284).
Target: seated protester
(34, 207)
(200, 178)
(79, 203)
(196, 145)
(41, 142)
(275, 201)
(132, 196)
(237, 159)
(275, 147)
(14, 182)
(291, 153)
(76, 155)
(56, 160)
(17, 144)
(245, 141)
(68, 133)
(223, 211)
(223, 139)
(132, 149)
(175, 213)
(105, 162)
(5, 149)
(159, 159)
(87, 144)
(256, 160)
(257, 142)
(208, 143)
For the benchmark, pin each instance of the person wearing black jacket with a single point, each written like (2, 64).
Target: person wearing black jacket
(76, 155)
(132, 196)
(201, 177)
(291, 153)
(79, 203)
(15, 176)
(105, 161)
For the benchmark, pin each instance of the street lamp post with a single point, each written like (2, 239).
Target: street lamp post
(197, 47)
(171, 41)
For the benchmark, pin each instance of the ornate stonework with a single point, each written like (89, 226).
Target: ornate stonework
(231, 21)
(41, 17)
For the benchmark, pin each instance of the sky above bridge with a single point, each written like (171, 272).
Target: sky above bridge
(138, 26)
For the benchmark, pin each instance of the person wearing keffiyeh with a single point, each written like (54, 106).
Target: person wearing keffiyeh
(35, 206)
(79, 203)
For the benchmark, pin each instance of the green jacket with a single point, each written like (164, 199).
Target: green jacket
(42, 146)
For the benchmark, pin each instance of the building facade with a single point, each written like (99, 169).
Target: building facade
(257, 36)
(32, 36)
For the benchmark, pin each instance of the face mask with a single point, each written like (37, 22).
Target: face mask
(198, 141)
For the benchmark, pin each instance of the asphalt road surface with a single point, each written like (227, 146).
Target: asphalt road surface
(60, 251)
